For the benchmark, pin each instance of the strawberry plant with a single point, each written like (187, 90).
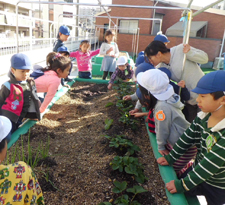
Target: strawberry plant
(124, 199)
(123, 143)
(127, 120)
(130, 165)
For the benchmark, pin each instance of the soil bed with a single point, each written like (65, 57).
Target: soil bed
(77, 170)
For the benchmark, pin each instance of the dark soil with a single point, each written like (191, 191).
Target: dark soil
(76, 170)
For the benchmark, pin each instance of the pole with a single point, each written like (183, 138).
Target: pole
(185, 41)
(17, 30)
(39, 30)
(206, 7)
(77, 18)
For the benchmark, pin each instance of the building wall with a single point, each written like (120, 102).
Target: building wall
(211, 44)
(216, 23)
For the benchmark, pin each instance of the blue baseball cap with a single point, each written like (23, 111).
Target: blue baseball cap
(138, 93)
(211, 82)
(162, 38)
(140, 59)
(64, 30)
(21, 61)
(63, 49)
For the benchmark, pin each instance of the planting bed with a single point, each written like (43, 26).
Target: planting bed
(77, 170)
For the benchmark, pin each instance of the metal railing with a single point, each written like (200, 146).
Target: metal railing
(8, 45)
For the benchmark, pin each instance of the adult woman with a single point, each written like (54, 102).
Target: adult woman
(19, 184)
(158, 53)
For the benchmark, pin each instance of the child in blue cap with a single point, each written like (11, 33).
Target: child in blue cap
(207, 175)
(63, 35)
(64, 52)
(18, 98)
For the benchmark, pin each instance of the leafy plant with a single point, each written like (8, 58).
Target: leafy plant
(119, 187)
(130, 165)
(122, 200)
(136, 190)
(109, 104)
(127, 120)
(123, 143)
(108, 123)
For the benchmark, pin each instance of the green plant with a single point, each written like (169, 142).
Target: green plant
(109, 104)
(30, 161)
(44, 150)
(108, 123)
(32, 158)
(122, 200)
(124, 105)
(136, 190)
(127, 120)
(119, 187)
(123, 143)
(46, 177)
(130, 165)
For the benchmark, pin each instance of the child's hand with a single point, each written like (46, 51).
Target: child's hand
(138, 114)
(66, 85)
(126, 97)
(162, 161)
(186, 48)
(171, 187)
(164, 152)
(126, 80)
(108, 51)
(133, 111)
(181, 84)
(110, 86)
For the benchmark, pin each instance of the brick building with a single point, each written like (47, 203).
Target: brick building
(208, 38)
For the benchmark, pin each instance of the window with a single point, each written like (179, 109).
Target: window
(128, 26)
(156, 24)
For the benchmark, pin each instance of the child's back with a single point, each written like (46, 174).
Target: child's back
(58, 67)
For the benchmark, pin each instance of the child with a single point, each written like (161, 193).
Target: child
(170, 123)
(64, 52)
(161, 37)
(123, 71)
(110, 51)
(18, 98)
(58, 67)
(207, 175)
(83, 56)
(63, 35)
(20, 183)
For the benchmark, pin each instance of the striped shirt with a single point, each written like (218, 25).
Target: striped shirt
(209, 165)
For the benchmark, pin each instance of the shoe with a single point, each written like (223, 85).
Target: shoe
(68, 79)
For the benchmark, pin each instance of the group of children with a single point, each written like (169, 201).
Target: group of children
(196, 150)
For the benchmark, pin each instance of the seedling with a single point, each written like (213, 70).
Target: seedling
(123, 143)
(130, 165)
(127, 120)
(119, 187)
(108, 123)
(109, 104)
